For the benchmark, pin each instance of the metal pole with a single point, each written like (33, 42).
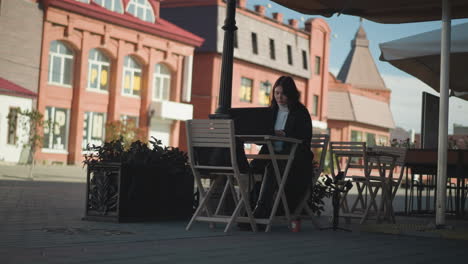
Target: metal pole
(225, 89)
(443, 113)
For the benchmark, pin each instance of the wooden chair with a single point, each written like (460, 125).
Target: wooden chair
(376, 183)
(217, 135)
(345, 156)
(319, 144)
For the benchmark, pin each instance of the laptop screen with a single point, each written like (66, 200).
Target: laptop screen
(253, 120)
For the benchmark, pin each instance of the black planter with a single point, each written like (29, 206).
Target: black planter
(129, 193)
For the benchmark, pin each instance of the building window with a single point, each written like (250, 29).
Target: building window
(93, 129)
(236, 44)
(370, 139)
(315, 105)
(131, 77)
(246, 90)
(56, 128)
(112, 5)
(382, 140)
(161, 83)
(356, 136)
(318, 65)
(305, 63)
(129, 120)
(254, 43)
(141, 9)
(12, 117)
(60, 64)
(290, 59)
(98, 71)
(272, 49)
(264, 95)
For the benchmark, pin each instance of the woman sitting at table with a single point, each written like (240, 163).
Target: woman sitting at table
(292, 119)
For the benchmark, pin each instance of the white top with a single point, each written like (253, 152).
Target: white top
(282, 117)
(280, 122)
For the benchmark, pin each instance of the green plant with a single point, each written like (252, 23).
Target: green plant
(319, 192)
(32, 122)
(172, 160)
(127, 132)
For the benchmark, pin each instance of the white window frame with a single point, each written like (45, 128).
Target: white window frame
(103, 4)
(62, 57)
(67, 132)
(132, 76)
(89, 129)
(95, 61)
(146, 6)
(162, 77)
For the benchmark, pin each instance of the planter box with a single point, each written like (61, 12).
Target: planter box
(127, 193)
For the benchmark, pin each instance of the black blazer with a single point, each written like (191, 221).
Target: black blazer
(299, 126)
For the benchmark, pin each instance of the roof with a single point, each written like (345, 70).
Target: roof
(160, 27)
(359, 68)
(9, 88)
(346, 106)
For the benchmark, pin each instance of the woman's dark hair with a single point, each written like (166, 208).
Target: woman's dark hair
(289, 90)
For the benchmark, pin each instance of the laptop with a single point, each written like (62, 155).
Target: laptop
(253, 120)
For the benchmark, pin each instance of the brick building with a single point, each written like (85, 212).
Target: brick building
(358, 100)
(104, 60)
(265, 48)
(20, 51)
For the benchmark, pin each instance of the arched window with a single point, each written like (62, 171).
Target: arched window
(98, 71)
(60, 64)
(161, 83)
(141, 9)
(112, 5)
(131, 77)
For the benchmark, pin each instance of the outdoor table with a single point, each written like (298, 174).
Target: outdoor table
(385, 163)
(281, 178)
(424, 161)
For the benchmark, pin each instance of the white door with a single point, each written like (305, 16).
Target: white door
(161, 130)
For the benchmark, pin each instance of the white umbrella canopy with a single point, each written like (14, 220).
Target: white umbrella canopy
(388, 12)
(419, 55)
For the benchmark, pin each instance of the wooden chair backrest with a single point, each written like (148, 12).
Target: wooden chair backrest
(320, 141)
(347, 152)
(211, 133)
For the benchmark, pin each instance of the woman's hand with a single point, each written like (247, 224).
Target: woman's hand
(280, 133)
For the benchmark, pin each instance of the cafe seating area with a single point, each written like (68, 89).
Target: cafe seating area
(377, 174)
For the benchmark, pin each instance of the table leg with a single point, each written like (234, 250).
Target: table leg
(281, 183)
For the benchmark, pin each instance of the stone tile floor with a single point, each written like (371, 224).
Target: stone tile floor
(40, 222)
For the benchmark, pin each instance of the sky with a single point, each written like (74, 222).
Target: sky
(406, 90)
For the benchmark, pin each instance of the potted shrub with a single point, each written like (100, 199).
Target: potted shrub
(137, 183)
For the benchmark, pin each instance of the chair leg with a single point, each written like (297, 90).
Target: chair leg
(361, 187)
(223, 196)
(372, 203)
(202, 206)
(246, 205)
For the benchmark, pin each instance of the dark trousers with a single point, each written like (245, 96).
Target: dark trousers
(295, 188)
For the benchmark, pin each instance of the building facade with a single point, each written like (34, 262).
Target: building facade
(106, 60)
(20, 42)
(13, 130)
(265, 49)
(358, 100)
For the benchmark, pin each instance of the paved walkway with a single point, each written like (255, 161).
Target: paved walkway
(40, 222)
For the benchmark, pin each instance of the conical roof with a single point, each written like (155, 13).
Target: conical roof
(359, 68)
